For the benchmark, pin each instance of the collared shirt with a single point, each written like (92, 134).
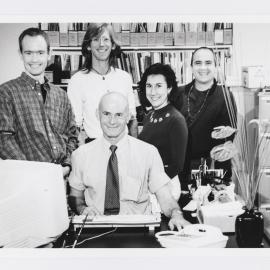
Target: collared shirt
(85, 91)
(140, 171)
(31, 129)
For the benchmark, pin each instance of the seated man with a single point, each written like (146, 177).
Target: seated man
(114, 173)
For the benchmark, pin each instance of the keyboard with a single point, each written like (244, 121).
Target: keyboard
(119, 220)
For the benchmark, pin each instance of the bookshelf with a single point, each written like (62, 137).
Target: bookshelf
(135, 60)
(142, 44)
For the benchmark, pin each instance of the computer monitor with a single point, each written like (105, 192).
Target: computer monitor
(32, 201)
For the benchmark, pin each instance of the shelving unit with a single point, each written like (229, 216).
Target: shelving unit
(136, 59)
(77, 50)
(145, 43)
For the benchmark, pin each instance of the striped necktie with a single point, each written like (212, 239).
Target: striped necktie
(112, 201)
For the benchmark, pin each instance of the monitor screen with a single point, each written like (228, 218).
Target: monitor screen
(32, 201)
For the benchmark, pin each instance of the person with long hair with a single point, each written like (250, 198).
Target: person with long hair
(98, 76)
(164, 126)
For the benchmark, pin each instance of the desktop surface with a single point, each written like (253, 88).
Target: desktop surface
(121, 237)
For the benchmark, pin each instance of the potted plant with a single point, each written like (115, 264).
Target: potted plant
(248, 160)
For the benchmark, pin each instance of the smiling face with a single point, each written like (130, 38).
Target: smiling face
(113, 116)
(157, 91)
(203, 66)
(35, 56)
(101, 46)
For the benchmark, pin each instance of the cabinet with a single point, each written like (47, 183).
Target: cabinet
(264, 160)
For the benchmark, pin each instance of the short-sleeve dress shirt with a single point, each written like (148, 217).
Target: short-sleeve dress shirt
(140, 171)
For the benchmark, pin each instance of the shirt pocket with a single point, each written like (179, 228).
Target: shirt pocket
(130, 188)
(59, 116)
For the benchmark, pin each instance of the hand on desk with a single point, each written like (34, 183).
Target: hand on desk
(177, 220)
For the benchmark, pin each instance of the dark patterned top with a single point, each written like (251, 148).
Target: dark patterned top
(214, 113)
(166, 129)
(31, 129)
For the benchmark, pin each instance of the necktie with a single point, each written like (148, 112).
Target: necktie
(112, 202)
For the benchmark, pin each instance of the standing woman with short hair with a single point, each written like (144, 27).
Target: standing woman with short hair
(164, 126)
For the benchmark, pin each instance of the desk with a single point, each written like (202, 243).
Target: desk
(129, 238)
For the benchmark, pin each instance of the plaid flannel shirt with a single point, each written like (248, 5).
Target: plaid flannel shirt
(31, 129)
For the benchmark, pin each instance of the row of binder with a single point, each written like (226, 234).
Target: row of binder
(146, 34)
(143, 27)
(210, 38)
(217, 37)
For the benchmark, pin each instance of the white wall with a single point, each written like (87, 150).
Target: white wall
(251, 47)
(10, 63)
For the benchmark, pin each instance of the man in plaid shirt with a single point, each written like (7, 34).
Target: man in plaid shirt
(36, 118)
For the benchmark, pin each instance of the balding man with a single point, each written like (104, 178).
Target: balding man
(114, 173)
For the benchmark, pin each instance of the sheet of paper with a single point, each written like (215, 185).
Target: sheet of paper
(32, 200)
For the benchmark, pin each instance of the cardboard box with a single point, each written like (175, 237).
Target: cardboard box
(134, 39)
(160, 38)
(201, 38)
(191, 38)
(81, 35)
(227, 36)
(151, 39)
(125, 38)
(219, 36)
(63, 39)
(253, 76)
(54, 38)
(142, 39)
(72, 38)
(179, 39)
(209, 38)
(168, 38)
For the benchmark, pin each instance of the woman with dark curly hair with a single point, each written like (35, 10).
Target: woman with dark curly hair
(164, 126)
(98, 76)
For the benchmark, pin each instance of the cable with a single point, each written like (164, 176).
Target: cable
(76, 240)
(93, 237)
(97, 236)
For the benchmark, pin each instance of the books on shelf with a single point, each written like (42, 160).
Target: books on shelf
(143, 44)
(146, 34)
(136, 63)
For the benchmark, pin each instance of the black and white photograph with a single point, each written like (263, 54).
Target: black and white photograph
(136, 139)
